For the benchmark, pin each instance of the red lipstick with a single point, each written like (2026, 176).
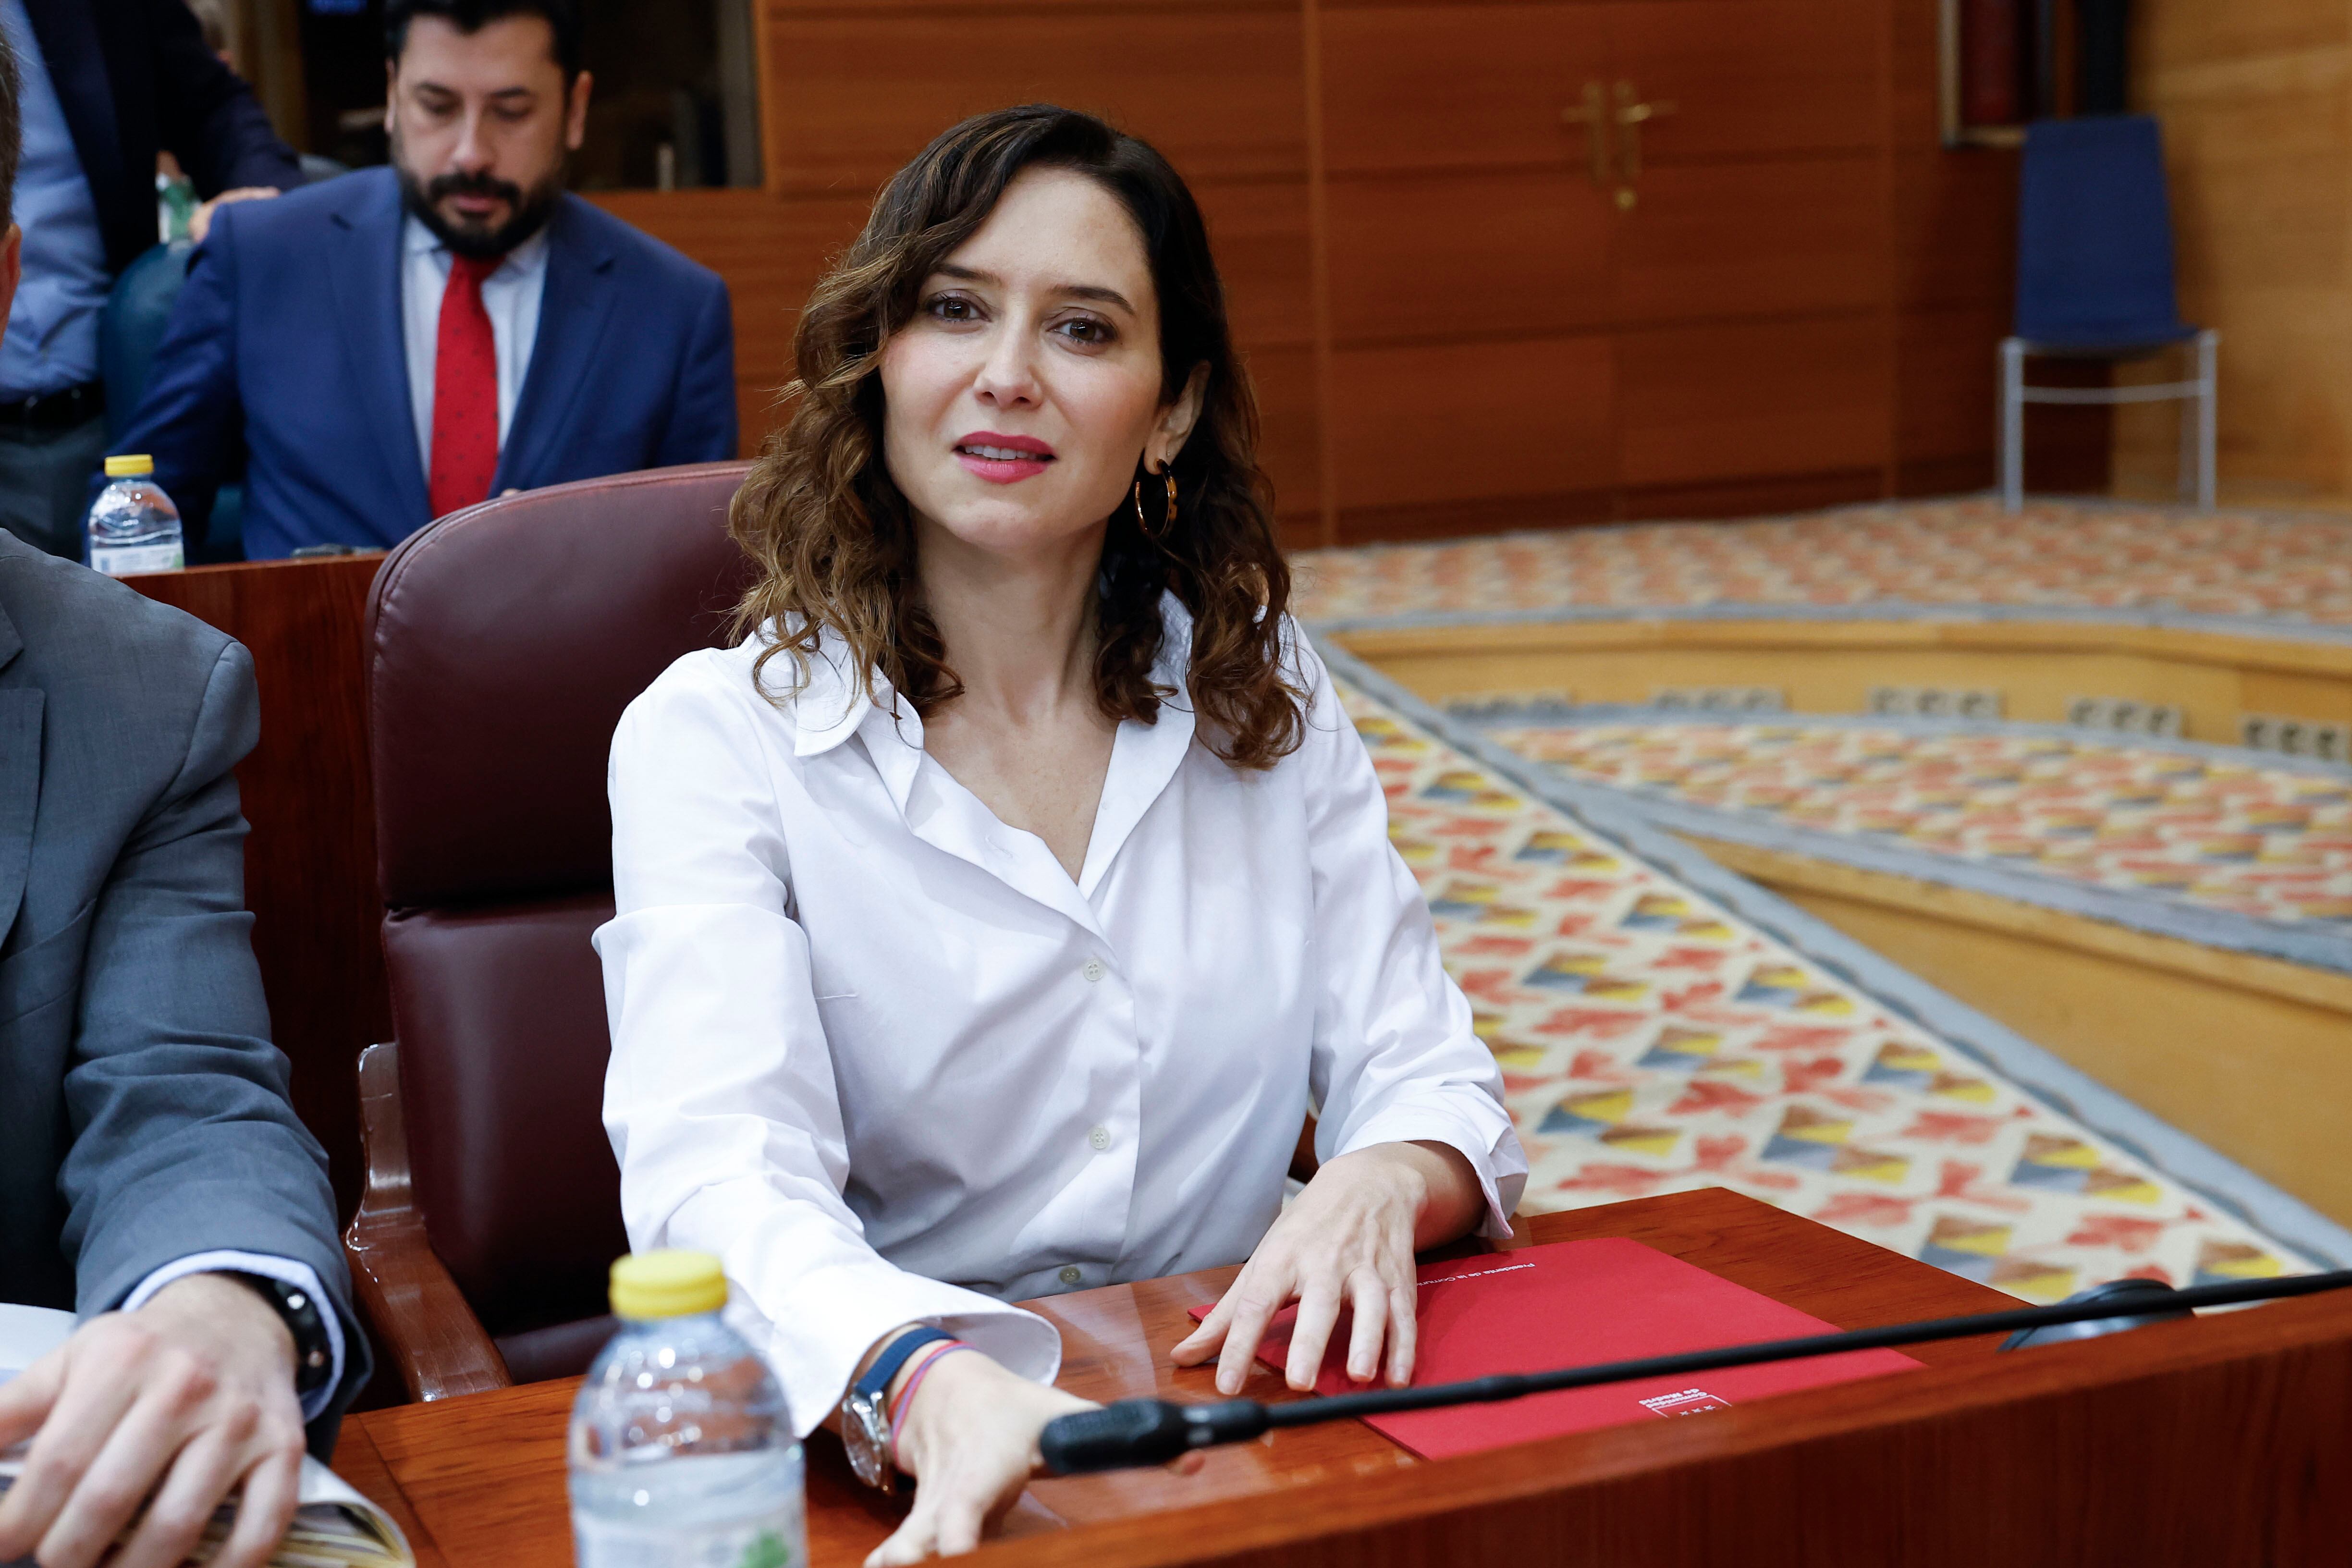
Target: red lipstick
(1003, 459)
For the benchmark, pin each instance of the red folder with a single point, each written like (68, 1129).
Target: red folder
(1580, 1303)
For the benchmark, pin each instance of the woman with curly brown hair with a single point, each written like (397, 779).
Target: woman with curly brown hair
(990, 916)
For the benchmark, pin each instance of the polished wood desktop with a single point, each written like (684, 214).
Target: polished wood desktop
(479, 1480)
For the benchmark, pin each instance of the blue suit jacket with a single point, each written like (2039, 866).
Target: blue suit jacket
(285, 344)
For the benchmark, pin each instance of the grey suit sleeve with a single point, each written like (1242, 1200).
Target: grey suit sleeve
(184, 1140)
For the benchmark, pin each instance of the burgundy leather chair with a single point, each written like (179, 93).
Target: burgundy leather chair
(504, 642)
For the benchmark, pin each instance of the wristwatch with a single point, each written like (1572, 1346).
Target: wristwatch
(314, 1355)
(865, 1414)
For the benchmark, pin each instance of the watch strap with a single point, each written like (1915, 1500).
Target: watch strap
(876, 1384)
(303, 1315)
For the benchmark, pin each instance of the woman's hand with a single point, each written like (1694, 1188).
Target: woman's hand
(970, 1439)
(1348, 1239)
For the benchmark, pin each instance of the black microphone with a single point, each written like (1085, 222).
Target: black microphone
(1144, 1432)
(1132, 1432)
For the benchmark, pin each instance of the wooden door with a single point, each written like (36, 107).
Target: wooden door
(1468, 237)
(1754, 260)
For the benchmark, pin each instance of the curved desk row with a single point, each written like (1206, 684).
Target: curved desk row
(2226, 1441)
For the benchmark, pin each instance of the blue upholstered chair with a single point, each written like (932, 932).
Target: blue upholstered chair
(129, 332)
(2094, 281)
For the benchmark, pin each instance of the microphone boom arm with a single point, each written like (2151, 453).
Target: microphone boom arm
(1133, 1432)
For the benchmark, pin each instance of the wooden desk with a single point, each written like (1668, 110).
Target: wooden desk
(479, 1481)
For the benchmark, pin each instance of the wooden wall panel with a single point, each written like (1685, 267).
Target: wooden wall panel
(851, 97)
(1748, 78)
(1945, 387)
(1429, 426)
(1792, 238)
(1755, 400)
(1955, 227)
(1430, 87)
(1290, 434)
(2256, 104)
(1468, 255)
(1258, 232)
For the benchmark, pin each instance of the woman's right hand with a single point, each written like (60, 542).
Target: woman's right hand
(970, 1439)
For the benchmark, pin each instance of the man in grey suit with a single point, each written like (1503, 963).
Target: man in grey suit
(153, 1175)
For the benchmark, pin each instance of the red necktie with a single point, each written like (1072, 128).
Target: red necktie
(464, 391)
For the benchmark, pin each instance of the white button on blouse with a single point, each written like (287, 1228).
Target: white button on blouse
(847, 1057)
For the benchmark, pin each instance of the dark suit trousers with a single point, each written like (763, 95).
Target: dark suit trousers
(45, 481)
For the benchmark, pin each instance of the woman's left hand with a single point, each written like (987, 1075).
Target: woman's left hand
(1347, 1240)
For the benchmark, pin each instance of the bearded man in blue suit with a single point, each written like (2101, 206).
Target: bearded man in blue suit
(390, 345)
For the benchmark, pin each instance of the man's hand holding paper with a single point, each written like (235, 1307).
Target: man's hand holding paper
(188, 1398)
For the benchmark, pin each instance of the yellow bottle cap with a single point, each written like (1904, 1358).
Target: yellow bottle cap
(128, 467)
(667, 1284)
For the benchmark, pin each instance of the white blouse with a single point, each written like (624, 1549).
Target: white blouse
(878, 1052)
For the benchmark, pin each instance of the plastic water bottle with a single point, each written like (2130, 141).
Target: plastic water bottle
(133, 526)
(682, 1451)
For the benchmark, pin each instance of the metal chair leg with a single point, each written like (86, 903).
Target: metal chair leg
(2187, 474)
(2209, 345)
(2012, 423)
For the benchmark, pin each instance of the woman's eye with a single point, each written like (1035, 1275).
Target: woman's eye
(953, 308)
(1087, 331)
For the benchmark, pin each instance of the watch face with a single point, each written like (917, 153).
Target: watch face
(867, 1436)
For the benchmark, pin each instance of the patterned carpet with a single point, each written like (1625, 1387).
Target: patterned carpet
(2072, 557)
(1653, 1040)
(2193, 826)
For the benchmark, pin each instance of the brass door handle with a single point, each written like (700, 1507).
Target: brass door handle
(1593, 116)
(1632, 113)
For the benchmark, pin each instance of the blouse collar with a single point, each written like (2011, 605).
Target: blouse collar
(833, 707)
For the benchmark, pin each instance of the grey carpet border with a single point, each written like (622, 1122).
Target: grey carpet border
(1536, 709)
(2318, 946)
(2146, 1137)
(2275, 629)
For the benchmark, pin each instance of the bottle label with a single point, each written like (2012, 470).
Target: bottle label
(777, 1541)
(122, 560)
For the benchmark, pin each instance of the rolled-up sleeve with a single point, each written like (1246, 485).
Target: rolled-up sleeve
(721, 1098)
(1395, 1057)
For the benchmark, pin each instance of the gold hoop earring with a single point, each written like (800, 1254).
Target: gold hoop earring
(1142, 526)
(1157, 535)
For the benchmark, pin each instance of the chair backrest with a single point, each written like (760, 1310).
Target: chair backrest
(2094, 236)
(131, 329)
(504, 641)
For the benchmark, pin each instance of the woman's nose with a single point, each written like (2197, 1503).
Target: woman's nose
(1008, 375)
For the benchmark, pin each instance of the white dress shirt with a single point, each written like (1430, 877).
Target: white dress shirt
(510, 297)
(879, 1053)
